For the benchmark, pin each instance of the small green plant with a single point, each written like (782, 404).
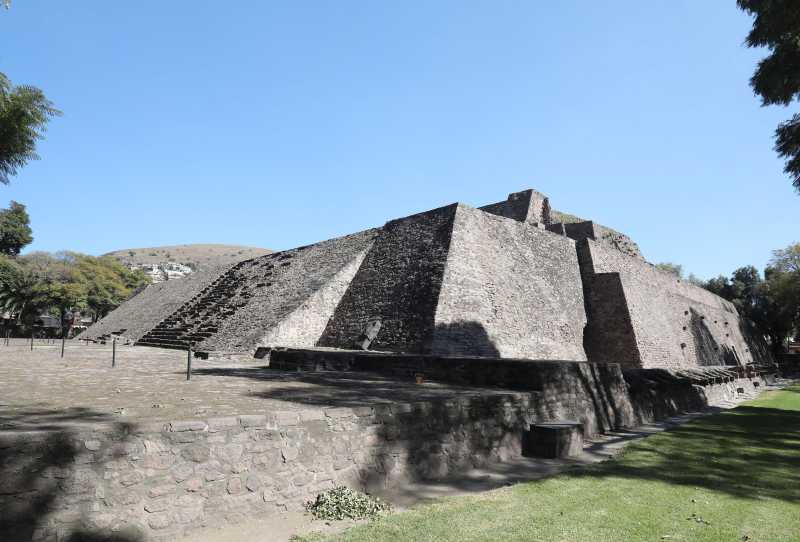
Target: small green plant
(342, 502)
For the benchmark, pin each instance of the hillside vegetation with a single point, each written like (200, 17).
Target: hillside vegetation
(197, 256)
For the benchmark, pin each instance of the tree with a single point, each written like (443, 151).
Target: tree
(780, 305)
(776, 26)
(54, 283)
(15, 229)
(787, 259)
(24, 114)
(108, 282)
(22, 293)
(771, 303)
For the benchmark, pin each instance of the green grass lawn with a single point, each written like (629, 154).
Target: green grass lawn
(733, 476)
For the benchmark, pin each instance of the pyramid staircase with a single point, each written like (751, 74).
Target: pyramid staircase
(200, 316)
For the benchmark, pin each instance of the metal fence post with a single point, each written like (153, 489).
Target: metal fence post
(189, 363)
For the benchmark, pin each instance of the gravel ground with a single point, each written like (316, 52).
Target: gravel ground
(149, 384)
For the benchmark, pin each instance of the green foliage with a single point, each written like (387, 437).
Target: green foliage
(776, 26)
(15, 229)
(43, 282)
(342, 502)
(787, 260)
(108, 282)
(771, 303)
(24, 113)
(21, 292)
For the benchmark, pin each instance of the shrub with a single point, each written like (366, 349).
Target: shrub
(342, 502)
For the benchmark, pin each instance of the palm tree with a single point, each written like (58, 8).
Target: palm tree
(21, 295)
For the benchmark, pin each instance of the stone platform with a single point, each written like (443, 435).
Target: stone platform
(139, 453)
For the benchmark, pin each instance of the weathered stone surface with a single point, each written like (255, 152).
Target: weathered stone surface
(197, 453)
(190, 425)
(644, 317)
(253, 420)
(160, 491)
(504, 280)
(145, 310)
(222, 424)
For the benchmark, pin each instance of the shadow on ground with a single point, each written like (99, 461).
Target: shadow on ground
(338, 389)
(747, 452)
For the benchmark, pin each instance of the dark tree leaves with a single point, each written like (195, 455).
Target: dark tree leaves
(24, 113)
(15, 230)
(776, 26)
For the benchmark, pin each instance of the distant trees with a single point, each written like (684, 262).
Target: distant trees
(776, 26)
(24, 114)
(772, 303)
(15, 229)
(53, 283)
(21, 294)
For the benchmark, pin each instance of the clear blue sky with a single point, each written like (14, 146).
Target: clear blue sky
(277, 124)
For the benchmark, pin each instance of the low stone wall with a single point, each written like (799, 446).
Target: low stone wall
(656, 394)
(156, 482)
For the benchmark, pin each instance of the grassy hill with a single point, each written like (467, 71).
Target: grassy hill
(199, 256)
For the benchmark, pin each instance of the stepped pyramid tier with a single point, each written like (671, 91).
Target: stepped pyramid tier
(460, 281)
(285, 297)
(642, 316)
(147, 307)
(513, 279)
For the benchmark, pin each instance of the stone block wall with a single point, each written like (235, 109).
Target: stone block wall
(606, 236)
(674, 324)
(397, 285)
(294, 295)
(161, 481)
(499, 281)
(509, 290)
(594, 393)
(528, 206)
(609, 335)
(146, 309)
